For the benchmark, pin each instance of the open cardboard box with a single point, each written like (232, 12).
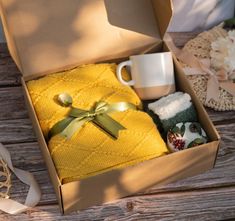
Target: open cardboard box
(47, 36)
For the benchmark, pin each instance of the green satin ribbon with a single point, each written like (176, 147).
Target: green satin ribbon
(97, 115)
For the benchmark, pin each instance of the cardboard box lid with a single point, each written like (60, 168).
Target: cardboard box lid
(47, 36)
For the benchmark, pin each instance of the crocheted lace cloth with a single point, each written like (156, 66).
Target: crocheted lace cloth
(200, 47)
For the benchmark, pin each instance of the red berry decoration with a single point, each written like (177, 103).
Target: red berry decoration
(185, 135)
(179, 144)
(175, 139)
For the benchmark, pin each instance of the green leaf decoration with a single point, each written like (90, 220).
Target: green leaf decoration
(176, 130)
(196, 142)
(182, 130)
(60, 126)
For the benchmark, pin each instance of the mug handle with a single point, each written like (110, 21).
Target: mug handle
(119, 73)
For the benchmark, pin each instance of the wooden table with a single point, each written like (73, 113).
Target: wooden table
(209, 196)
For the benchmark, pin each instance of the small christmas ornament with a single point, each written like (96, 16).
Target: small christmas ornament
(185, 135)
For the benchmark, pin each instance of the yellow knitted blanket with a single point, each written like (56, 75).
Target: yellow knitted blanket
(91, 151)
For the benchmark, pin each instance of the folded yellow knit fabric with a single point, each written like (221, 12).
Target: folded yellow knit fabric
(91, 151)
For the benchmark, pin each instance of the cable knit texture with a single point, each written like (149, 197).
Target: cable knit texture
(91, 151)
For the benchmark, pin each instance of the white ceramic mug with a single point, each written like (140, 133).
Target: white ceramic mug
(152, 74)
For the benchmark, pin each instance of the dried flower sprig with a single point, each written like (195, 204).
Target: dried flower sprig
(223, 54)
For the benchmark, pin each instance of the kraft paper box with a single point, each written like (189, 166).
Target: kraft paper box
(47, 36)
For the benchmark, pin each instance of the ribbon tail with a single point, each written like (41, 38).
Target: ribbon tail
(12, 207)
(212, 89)
(59, 127)
(108, 124)
(74, 126)
(34, 193)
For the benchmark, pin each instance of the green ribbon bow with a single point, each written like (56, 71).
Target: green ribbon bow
(97, 114)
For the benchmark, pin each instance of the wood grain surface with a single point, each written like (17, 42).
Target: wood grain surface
(208, 196)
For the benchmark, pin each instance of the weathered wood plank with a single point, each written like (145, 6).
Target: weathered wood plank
(12, 104)
(27, 156)
(19, 190)
(218, 116)
(214, 204)
(9, 73)
(16, 131)
(4, 50)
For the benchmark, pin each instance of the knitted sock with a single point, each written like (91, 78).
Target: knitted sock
(173, 109)
(188, 115)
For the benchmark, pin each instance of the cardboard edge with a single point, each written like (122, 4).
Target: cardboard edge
(218, 148)
(129, 177)
(163, 10)
(42, 144)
